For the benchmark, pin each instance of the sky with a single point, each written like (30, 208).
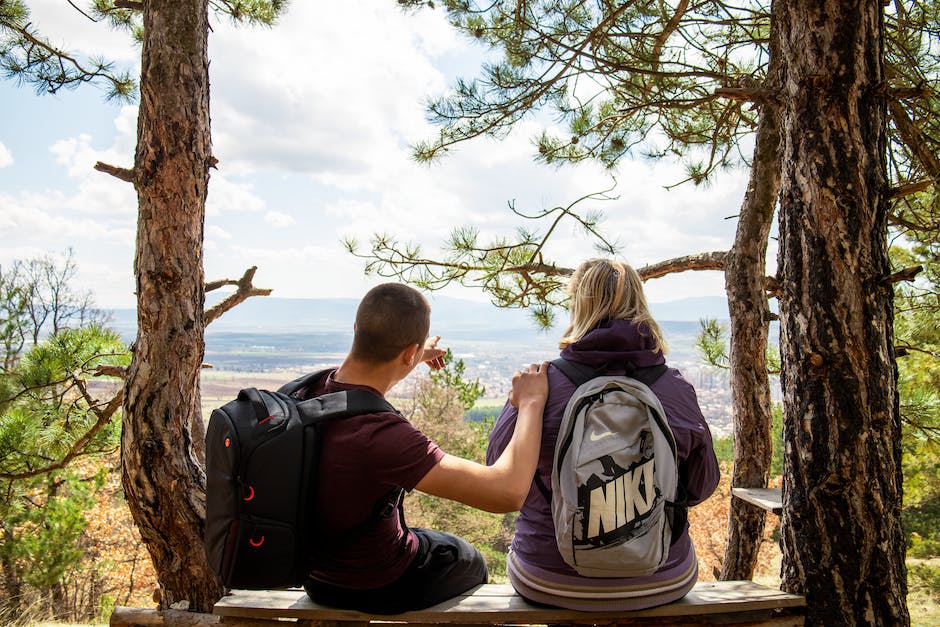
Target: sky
(311, 123)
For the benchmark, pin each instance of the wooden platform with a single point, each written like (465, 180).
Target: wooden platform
(770, 499)
(725, 602)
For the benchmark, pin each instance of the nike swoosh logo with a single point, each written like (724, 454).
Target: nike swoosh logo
(595, 436)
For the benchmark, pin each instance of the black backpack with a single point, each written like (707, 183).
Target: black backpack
(262, 451)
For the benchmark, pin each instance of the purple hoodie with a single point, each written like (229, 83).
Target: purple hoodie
(614, 341)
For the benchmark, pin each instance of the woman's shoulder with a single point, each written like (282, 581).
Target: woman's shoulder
(677, 397)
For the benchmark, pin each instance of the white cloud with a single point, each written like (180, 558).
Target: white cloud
(307, 96)
(216, 232)
(311, 122)
(227, 196)
(278, 219)
(34, 217)
(6, 157)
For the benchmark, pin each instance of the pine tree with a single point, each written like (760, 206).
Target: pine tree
(54, 345)
(683, 78)
(162, 423)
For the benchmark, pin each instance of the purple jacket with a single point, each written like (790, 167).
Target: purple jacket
(613, 341)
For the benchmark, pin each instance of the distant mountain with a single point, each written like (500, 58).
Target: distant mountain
(691, 309)
(451, 316)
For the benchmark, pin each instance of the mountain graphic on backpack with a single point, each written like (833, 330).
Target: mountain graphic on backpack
(616, 500)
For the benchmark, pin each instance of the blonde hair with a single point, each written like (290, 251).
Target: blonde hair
(604, 289)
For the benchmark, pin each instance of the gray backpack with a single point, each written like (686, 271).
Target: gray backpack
(617, 502)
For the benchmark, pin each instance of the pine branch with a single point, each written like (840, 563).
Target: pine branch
(245, 291)
(509, 111)
(132, 5)
(30, 58)
(103, 417)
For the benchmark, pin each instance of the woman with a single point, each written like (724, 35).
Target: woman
(610, 323)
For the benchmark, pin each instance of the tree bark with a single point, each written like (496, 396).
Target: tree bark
(163, 482)
(843, 543)
(12, 577)
(750, 318)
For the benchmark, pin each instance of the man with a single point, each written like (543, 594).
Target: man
(367, 558)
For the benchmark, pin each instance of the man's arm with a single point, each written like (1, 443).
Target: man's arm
(503, 486)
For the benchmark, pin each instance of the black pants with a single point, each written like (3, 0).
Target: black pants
(444, 567)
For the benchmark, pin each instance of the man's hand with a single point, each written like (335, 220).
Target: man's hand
(433, 356)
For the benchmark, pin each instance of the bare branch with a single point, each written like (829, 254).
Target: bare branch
(748, 94)
(122, 173)
(245, 291)
(903, 348)
(108, 370)
(133, 5)
(703, 261)
(915, 138)
(905, 274)
(909, 188)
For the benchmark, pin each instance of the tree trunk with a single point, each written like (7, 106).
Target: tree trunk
(12, 605)
(164, 483)
(843, 544)
(750, 317)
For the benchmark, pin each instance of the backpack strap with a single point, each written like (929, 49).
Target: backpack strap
(344, 404)
(341, 404)
(678, 513)
(581, 373)
(303, 382)
(336, 406)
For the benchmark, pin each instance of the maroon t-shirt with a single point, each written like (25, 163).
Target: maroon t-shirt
(363, 459)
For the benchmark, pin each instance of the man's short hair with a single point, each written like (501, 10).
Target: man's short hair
(390, 318)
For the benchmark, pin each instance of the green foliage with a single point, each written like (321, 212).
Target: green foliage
(483, 414)
(712, 347)
(50, 418)
(711, 343)
(776, 436)
(28, 57)
(917, 336)
(440, 414)
(47, 410)
(48, 422)
(724, 450)
(625, 78)
(451, 376)
(50, 534)
(724, 446)
(924, 579)
(921, 515)
(253, 12)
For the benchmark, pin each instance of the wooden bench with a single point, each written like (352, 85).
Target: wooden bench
(770, 499)
(722, 602)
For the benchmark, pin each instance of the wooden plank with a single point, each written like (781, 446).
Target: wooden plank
(770, 499)
(123, 616)
(498, 604)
